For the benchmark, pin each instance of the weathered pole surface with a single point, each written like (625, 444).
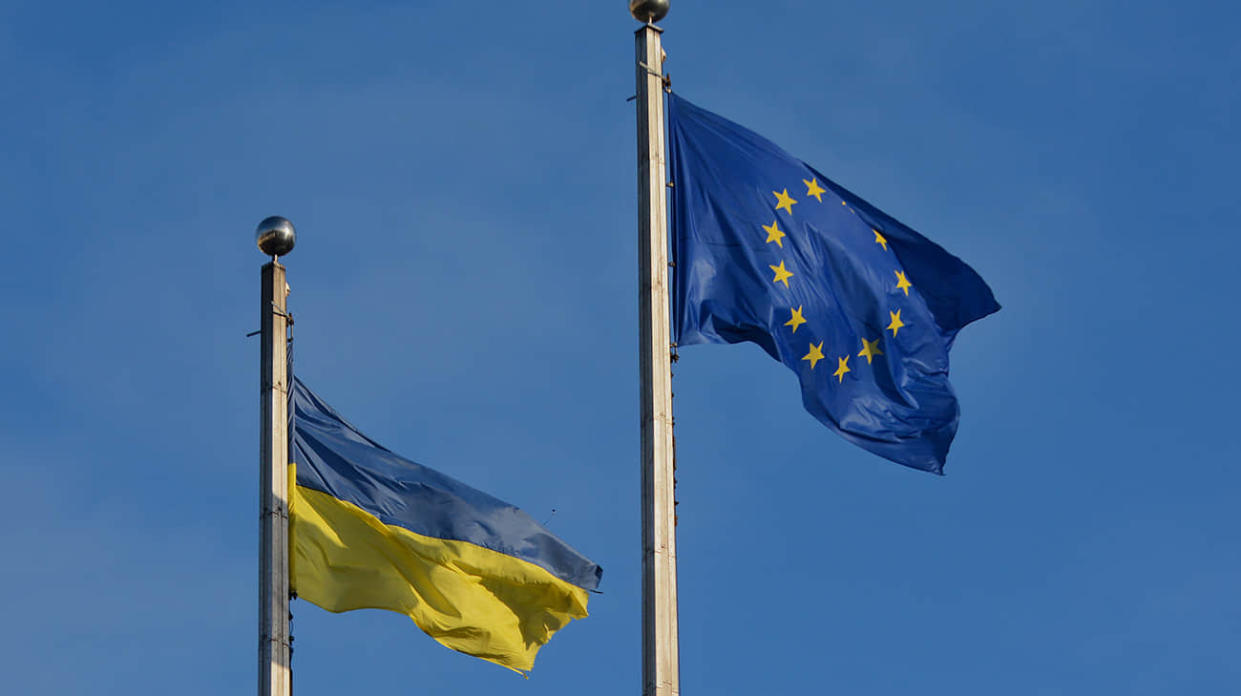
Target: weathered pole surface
(275, 236)
(660, 671)
(274, 490)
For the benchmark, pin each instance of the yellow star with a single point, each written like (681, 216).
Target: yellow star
(896, 322)
(841, 368)
(870, 349)
(782, 275)
(796, 320)
(880, 240)
(785, 201)
(813, 189)
(902, 283)
(774, 234)
(815, 354)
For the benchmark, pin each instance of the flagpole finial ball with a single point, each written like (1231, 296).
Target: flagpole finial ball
(275, 236)
(649, 11)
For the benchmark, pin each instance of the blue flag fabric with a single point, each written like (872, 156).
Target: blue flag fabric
(862, 308)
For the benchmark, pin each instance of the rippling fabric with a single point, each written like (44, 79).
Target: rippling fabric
(471, 599)
(334, 457)
(862, 308)
(371, 529)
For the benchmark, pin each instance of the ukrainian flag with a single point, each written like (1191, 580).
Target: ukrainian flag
(370, 529)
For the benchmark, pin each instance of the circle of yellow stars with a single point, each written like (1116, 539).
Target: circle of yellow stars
(870, 348)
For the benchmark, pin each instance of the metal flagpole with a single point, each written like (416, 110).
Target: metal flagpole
(660, 671)
(275, 237)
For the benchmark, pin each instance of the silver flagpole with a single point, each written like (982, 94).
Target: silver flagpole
(275, 237)
(660, 670)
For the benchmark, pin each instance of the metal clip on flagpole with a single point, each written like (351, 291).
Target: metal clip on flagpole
(275, 237)
(660, 670)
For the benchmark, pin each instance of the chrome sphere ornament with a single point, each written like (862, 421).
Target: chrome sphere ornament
(649, 11)
(275, 236)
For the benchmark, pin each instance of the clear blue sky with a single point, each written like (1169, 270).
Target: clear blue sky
(462, 176)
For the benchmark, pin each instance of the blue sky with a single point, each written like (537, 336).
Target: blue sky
(462, 177)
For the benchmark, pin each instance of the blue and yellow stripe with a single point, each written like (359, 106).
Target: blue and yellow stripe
(370, 529)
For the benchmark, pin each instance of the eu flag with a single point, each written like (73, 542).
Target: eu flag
(862, 308)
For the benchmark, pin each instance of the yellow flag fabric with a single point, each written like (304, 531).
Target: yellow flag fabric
(469, 598)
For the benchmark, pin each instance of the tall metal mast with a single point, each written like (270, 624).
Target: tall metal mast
(275, 237)
(660, 670)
